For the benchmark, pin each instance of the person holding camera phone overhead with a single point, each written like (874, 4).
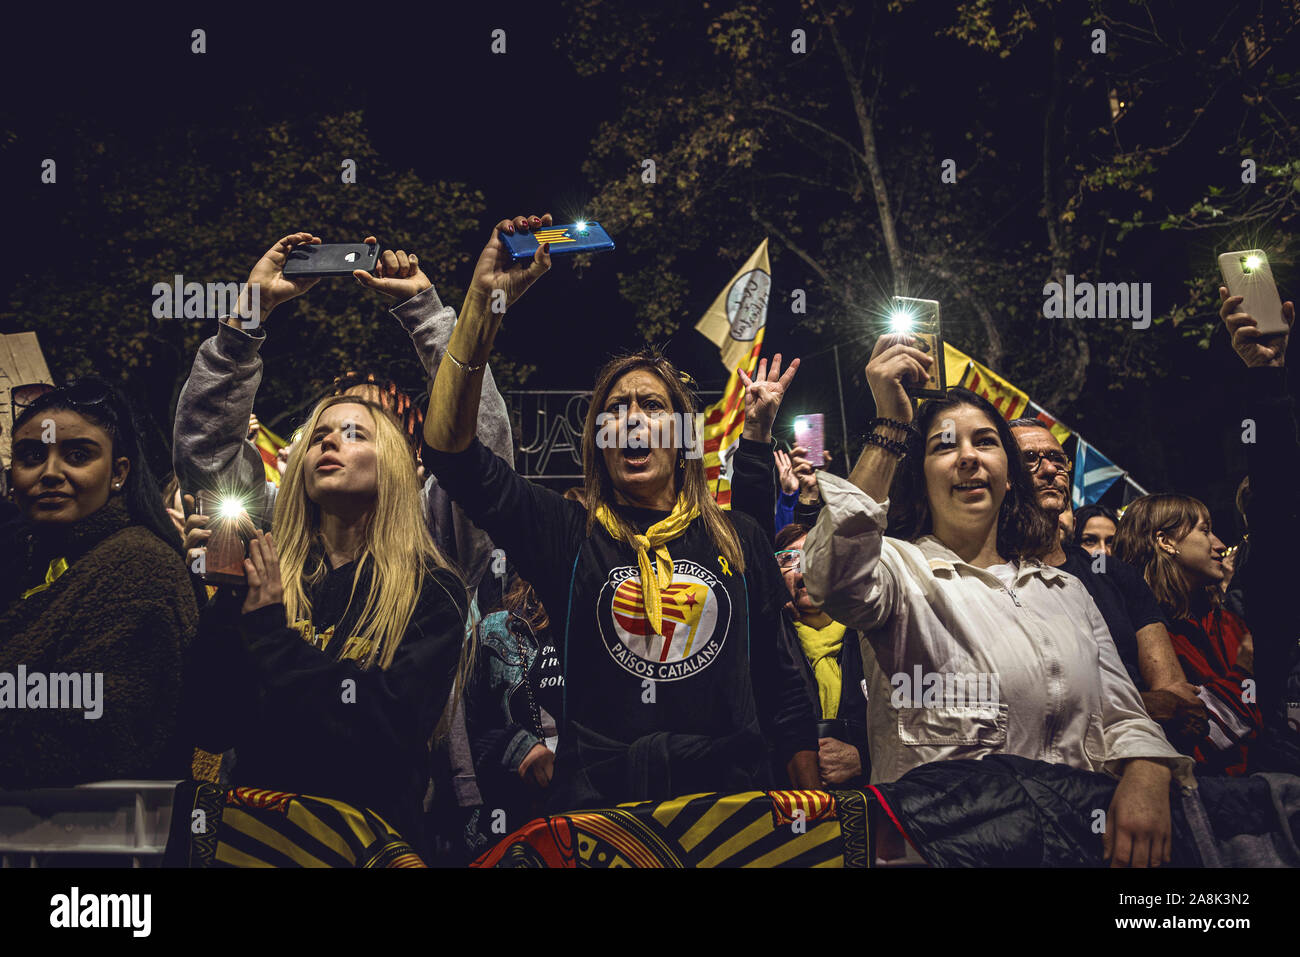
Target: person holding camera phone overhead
(959, 589)
(664, 608)
(329, 672)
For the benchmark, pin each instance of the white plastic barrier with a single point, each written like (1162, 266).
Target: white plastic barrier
(123, 820)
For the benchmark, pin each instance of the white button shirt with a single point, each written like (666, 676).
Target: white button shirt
(1062, 694)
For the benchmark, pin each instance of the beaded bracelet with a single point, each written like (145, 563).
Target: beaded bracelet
(894, 424)
(889, 445)
(462, 365)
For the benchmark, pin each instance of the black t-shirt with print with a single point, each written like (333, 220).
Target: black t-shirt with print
(646, 715)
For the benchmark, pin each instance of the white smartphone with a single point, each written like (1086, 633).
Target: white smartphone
(1246, 273)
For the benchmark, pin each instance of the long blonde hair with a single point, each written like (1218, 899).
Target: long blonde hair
(397, 548)
(690, 478)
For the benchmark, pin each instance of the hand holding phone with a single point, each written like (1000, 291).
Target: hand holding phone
(809, 431)
(317, 260)
(1246, 273)
(497, 273)
(274, 287)
(229, 531)
(920, 319)
(566, 239)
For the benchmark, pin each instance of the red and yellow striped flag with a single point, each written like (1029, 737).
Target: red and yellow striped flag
(723, 422)
(268, 444)
(735, 324)
(964, 371)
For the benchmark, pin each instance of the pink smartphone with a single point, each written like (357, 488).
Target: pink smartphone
(809, 431)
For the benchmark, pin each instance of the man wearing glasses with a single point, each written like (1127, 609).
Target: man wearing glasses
(1124, 599)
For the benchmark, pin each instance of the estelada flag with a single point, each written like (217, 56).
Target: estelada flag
(964, 371)
(735, 324)
(723, 423)
(268, 444)
(735, 321)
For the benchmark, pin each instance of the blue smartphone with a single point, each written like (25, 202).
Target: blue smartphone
(579, 237)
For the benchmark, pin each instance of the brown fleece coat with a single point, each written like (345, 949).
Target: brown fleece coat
(125, 608)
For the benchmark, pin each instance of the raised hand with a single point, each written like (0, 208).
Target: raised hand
(805, 474)
(785, 472)
(763, 395)
(397, 274)
(1256, 348)
(268, 272)
(495, 270)
(894, 364)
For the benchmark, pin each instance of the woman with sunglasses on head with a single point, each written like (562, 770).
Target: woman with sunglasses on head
(664, 607)
(100, 594)
(957, 588)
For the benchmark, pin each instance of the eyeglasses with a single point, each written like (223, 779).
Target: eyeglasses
(789, 558)
(1033, 460)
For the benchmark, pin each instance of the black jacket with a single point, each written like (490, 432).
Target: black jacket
(1267, 575)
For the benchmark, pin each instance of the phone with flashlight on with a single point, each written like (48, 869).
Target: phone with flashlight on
(232, 530)
(580, 237)
(920, 319)
(1246, 273)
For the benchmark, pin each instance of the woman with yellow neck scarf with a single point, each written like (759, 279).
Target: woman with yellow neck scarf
(665, 608)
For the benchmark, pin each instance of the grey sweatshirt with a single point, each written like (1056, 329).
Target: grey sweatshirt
(210, 451)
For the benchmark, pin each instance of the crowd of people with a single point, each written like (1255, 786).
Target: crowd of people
(418, 632)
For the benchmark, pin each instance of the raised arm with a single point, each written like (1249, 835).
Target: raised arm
(209, 448)
(430, 324)
(452, 418)
(753, 487)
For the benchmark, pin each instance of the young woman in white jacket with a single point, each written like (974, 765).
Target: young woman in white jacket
(972, 646)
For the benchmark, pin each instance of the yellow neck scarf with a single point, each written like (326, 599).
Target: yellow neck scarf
(822, 648)
(656, 573)
(57, 568)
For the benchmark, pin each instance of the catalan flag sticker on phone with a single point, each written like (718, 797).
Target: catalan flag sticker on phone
(580, 237)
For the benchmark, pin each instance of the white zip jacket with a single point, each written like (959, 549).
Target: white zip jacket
(960, 665)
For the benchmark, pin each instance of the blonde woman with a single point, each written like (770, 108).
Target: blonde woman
(328, 676)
